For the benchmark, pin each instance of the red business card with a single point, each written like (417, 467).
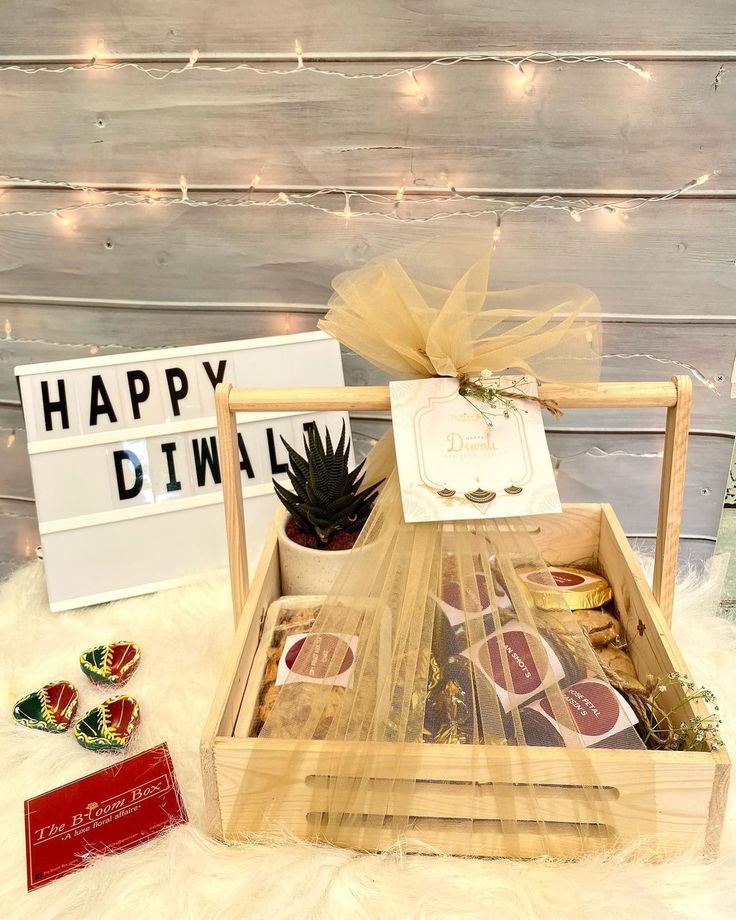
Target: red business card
(106, 812)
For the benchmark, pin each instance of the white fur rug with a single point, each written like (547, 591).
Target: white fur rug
(184, 874)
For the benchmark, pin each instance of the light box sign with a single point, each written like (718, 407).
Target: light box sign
(125, 462)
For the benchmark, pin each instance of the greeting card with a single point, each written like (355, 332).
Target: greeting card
(468, 450)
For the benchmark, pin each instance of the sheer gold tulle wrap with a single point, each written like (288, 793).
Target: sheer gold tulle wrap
(419, 745)
(427, 312)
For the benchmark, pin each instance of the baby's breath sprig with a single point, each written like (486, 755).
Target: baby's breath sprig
(658, 725)
(697, 733)
(500, 400)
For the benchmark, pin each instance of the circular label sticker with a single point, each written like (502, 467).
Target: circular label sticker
(319, 656)
(561, 579)
(471, 600)
(594, 707)
(451, 594)
(522, 657)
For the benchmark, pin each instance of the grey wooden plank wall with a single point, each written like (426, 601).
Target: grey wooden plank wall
(128, 277)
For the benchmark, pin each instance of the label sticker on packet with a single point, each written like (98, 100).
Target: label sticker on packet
(318, 658)
(460, 603)
(518, 662)
(563, 578)
(598, 711)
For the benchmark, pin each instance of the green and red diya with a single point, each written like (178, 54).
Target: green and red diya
(109, 726)
(111, 664)
(50, 709)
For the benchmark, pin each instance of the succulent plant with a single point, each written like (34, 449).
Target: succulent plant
(327, 497)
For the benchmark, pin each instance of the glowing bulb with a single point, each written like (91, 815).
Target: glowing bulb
(283, 197)
(400, 193)
(421, 97)
(64, 221)
(701, 180)
(8, 329)
(299, 54)
(193, 58)
(496, 236)
(575, 215)
(614, 212)
(255, 181)
(184, 188)
(524, 79)
(94, 349)
(10, 439)
(97, 50)
(639, 70)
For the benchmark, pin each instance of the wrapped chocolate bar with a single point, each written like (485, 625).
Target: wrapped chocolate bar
(450, 715)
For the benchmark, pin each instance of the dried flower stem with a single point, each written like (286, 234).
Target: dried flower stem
(502, 399)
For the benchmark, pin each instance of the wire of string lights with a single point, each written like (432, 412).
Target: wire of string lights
(385, 206)
(162, 71)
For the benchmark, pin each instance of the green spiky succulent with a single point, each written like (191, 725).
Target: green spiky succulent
(327, 497)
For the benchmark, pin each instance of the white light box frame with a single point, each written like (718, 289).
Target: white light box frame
(125, 465)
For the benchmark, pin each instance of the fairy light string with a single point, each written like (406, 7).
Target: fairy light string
(491, 206)
(392, 206)
(96, 62)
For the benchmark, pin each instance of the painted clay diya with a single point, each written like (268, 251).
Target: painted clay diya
(109, 726)
(110, 664)
(50, 709)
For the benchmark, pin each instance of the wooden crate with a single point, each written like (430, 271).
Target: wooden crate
(685, 812)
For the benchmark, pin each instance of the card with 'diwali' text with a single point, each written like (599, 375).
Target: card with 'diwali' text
(469, 452)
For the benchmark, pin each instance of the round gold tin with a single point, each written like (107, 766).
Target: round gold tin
(578, 588)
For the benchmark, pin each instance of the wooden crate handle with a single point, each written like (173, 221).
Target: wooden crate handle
(674, 395)
(671, 492)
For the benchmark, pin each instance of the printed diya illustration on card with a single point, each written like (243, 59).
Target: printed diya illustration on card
(472, 449)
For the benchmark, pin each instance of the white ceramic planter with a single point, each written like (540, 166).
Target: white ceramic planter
(305, 570)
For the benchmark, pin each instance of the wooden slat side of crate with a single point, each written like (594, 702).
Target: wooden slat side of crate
(654, 651)
(533, 793)
(220, 726)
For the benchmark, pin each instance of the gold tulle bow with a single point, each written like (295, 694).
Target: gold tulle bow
(422, 312)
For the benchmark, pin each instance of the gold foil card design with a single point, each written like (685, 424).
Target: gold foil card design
(458, 463)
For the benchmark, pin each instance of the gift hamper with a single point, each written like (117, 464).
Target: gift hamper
(488, 687)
